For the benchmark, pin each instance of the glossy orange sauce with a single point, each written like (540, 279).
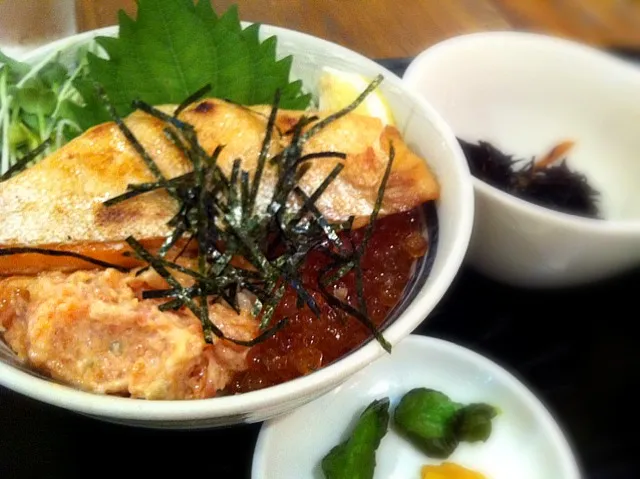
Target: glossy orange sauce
(307, 342)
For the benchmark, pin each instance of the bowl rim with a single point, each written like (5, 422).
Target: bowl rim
(571, 47)
(551, 426)
(242, 405)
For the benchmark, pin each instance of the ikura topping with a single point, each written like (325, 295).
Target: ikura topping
(307, 343)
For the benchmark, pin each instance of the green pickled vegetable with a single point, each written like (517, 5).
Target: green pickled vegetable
(427, 418)
(355, 458)
(473, 422)
(436, 424)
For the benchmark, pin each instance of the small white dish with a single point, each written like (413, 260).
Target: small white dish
(525, 443)
(525, 93)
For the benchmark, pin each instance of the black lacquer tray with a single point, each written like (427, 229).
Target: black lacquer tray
(578, 350)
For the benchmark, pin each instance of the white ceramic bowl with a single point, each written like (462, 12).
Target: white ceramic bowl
(525, 443)
(525, 92)
(427, 134)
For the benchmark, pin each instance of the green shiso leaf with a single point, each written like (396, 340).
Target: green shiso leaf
(175, 47)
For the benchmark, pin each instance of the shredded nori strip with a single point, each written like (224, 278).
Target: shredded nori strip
(23, 162)
(199, 310)
(326, 276)
(262, 159)
(136, 190)
(55, 252)
(192, 99)
(553, 186)
(339, 114)
(128, 134)
(220, 213)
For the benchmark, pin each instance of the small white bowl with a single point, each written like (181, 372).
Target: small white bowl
(526, 443)
(425, 132)
(524, 93)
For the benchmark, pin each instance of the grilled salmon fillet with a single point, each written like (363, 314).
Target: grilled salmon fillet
(58, 203)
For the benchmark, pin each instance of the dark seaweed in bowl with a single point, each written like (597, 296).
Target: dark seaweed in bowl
(552, 185)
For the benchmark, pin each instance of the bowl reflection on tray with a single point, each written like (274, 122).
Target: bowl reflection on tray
(428, 135)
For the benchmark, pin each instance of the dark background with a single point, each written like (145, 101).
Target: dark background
(577, 349)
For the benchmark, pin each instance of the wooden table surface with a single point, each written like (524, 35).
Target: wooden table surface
(397, 28)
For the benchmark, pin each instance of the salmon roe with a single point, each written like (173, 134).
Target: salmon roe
(307, 342)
